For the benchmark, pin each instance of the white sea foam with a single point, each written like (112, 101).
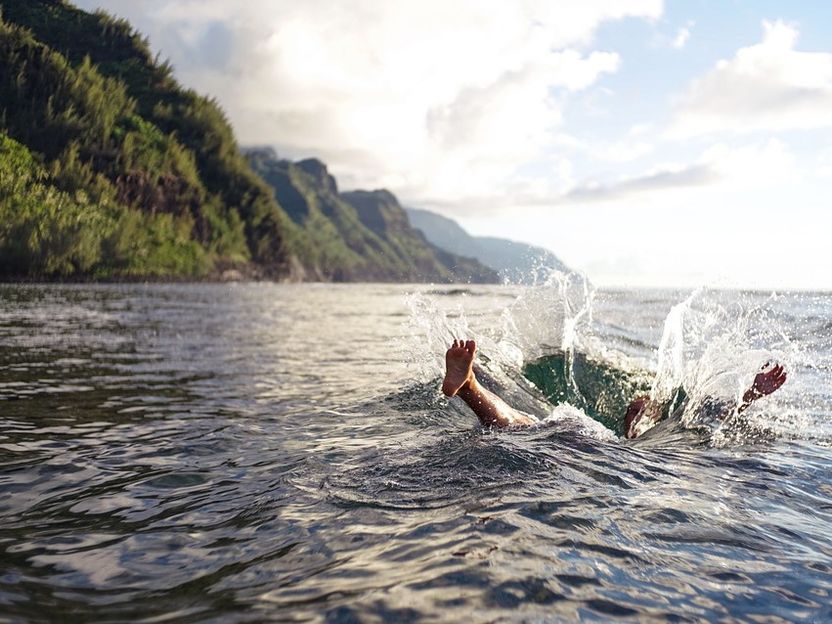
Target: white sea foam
(566, 417)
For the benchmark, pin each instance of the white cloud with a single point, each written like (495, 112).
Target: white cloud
(823, 163)
(755, 165)
(749, 166)
(769, 86)
(434, 98)
(682, 36)
(742, 215)
(620, 151)
(564, 169)
(658, 179)
(721, 168)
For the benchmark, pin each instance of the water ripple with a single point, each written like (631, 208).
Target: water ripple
(263, 453)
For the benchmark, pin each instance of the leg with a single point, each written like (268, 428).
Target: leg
(460, 381)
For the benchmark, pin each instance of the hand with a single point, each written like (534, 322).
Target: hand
(766, 382)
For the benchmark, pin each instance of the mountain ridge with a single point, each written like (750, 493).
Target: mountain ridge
(516, 262)
(364, 235)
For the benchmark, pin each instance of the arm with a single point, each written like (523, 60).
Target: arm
(764, 384)
(643, 413)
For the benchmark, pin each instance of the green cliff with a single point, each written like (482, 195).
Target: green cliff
(111, 169)
(358, 235)
(158, 164)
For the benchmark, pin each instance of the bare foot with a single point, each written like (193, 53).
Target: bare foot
(459, 362)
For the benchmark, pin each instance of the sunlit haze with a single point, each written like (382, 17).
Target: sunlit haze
(645, 143)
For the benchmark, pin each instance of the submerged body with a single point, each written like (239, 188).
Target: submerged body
(642, 414)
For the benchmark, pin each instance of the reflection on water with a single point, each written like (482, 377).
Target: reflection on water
(264, 452)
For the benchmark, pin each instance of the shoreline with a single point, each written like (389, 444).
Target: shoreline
(215, 279)
(247, 279)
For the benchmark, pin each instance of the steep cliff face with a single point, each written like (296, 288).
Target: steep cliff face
(359, 235)
(381, 212)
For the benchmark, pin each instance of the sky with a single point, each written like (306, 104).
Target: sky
(646, 143)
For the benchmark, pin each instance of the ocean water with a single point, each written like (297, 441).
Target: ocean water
(249, 453)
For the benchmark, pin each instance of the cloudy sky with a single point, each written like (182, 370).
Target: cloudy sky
(645, 142)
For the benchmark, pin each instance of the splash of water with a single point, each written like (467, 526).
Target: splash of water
(712, 345)
(671, 356)
(551, 316)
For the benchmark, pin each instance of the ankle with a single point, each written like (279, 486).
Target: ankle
(468, 388)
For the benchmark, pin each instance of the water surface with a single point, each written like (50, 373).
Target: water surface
(268, 452)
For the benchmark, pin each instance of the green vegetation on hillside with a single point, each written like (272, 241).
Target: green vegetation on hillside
(49, 232)
(382, 214)
(82, 93)
(109, 168)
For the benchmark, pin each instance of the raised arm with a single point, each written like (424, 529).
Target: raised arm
(766, 382)
(643, 412)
